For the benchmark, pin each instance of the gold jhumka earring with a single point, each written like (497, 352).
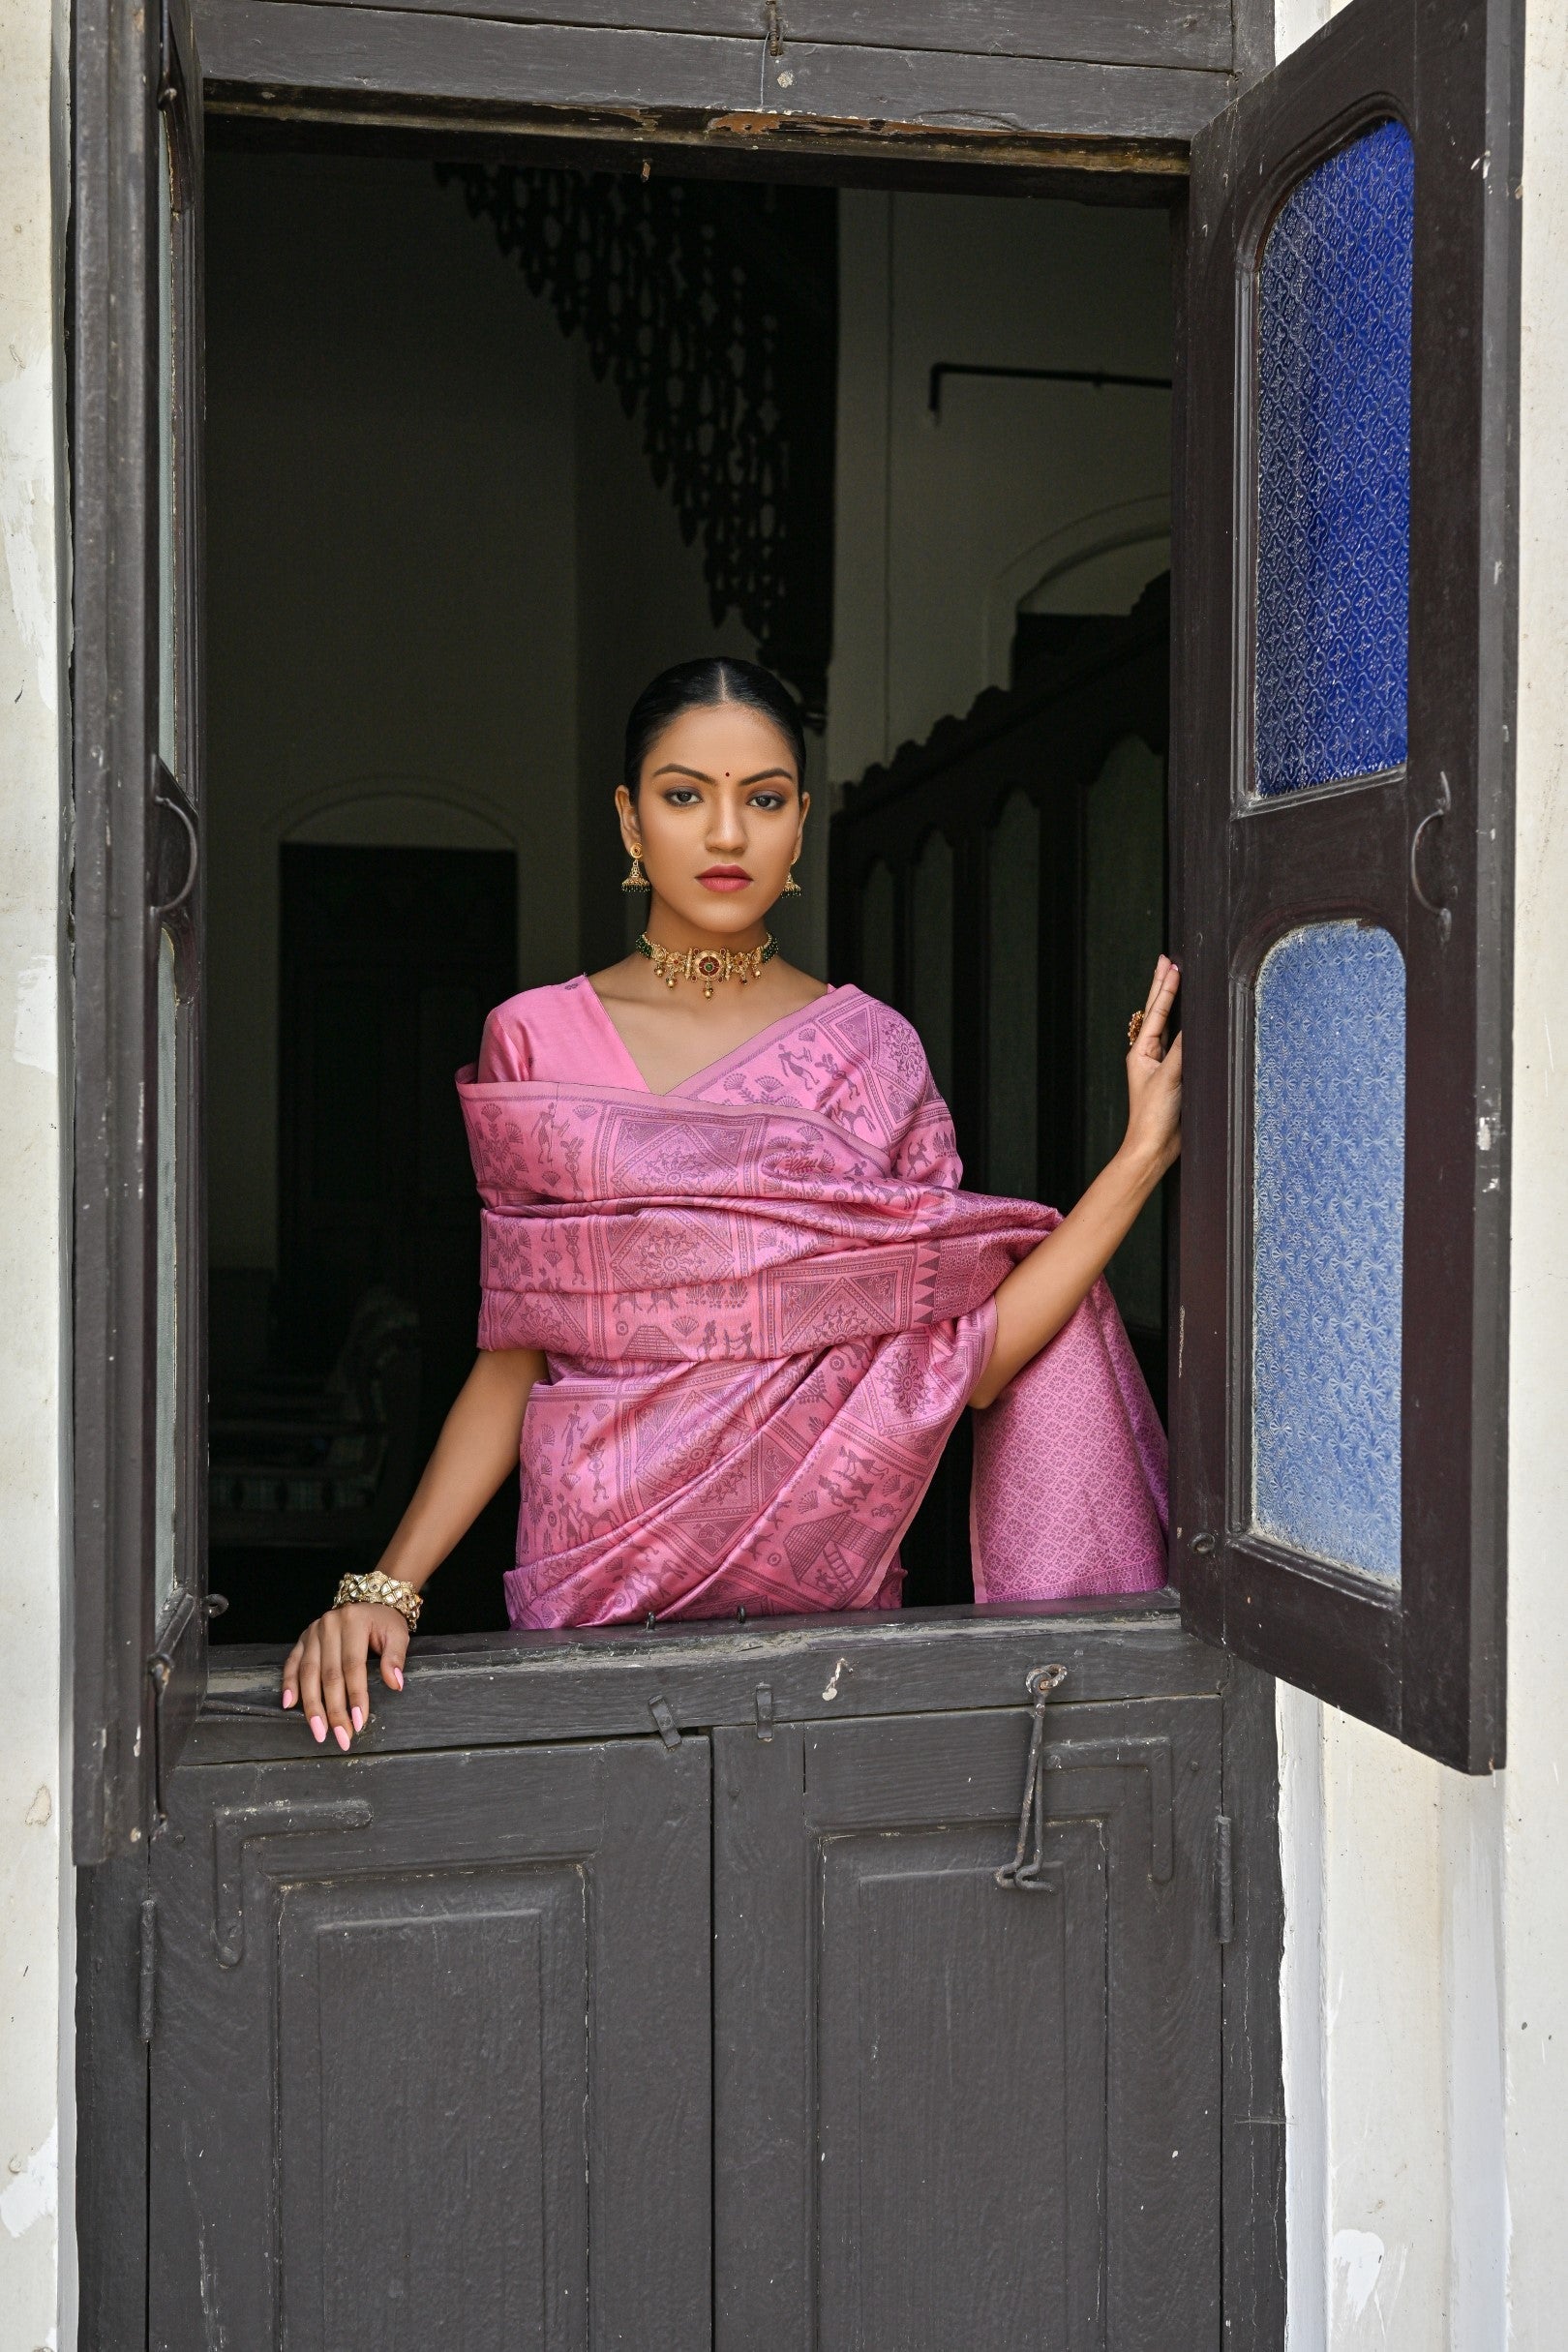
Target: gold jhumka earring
(791, 889)
(637, 879)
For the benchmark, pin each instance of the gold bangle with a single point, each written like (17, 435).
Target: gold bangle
(379, 1589)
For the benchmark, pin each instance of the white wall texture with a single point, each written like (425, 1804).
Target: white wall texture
(438, 573)
(930, 515)
(391, 583)
(1533, 1880)
(1426, 1992)
(36, 1942)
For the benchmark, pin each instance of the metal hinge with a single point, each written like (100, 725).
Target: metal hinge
(1225, 1881)
(147, 1980)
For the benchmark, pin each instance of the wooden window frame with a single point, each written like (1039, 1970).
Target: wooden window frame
(1424, 1660)
(139, 1674)
(566, 91)
(451, 84)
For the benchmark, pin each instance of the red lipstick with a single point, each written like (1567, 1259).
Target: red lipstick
(725, 878)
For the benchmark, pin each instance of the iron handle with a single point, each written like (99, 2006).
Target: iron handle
(170, 804)
(1434, 816)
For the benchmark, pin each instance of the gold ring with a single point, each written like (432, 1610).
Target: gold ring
(1135, 1026)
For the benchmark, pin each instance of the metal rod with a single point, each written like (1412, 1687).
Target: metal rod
(1098, 376)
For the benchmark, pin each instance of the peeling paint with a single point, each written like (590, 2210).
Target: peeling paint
(27, 514)
(1358, 2257)
(34, 2194)
(35, 1030)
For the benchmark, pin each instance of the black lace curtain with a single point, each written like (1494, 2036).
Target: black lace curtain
(712, 306)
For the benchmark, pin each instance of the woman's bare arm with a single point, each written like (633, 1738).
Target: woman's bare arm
(1047, 1287)
(327, 1669)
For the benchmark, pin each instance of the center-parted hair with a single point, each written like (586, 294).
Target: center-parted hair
(698, 686)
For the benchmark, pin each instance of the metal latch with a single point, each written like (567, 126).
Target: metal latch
(1029, 1876)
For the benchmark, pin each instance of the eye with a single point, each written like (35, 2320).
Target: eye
(683, 796)
(768, 799)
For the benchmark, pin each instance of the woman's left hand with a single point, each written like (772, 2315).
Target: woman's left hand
(1154, 1078)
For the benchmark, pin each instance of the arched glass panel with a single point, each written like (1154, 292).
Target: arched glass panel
(1334, 469)
(930, 956)
(879, 975)
(1123, 919)
(1012, 997)
(1329, 1244)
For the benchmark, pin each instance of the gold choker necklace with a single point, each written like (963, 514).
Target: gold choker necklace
(707, 964)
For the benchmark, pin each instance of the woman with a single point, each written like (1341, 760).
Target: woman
(733, 1299)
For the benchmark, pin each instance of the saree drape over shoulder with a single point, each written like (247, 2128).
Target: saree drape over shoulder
(765, 1301)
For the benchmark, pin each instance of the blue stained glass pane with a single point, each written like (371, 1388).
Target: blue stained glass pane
(1329, 1244)
(1334, 469)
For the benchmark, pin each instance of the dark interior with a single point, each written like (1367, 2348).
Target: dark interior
(488, 446)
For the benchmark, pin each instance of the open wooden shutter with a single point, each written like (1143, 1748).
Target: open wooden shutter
(1344, 807)
(140, 1633)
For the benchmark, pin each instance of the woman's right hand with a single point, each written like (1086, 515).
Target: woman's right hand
(1153, 1079)
(326, 1673)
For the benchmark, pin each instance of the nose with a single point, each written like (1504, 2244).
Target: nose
(726, 827)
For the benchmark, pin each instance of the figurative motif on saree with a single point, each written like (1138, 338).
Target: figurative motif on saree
(765, 1301)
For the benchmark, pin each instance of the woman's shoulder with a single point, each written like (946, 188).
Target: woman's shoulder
(525, 1035)
(885, 1035)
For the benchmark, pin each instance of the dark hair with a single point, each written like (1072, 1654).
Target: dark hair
(698, 686)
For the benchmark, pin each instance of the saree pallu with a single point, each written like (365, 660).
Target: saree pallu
(762, 1322)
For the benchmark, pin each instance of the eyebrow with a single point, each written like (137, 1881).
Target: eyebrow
(672, 768)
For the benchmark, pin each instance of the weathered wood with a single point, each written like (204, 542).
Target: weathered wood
(339, 60)
(975, 2114)
(468, 2001)
(1107, 32)
(486, 1690)
(112, 2093)
(1253, 2117)
(1196, 34)
(1424, 1660)
(113, 712)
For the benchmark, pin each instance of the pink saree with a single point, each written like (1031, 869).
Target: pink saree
(764, 1302)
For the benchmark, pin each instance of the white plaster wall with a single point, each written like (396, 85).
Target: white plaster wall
(439, 571)
(391, 583)
(931, 514)
(1426, 1978)
(642, 604)
(1534, 1857)
(35, 1954)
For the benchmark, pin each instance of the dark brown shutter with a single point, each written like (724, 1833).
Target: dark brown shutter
(1374, 870)
(140, 1629)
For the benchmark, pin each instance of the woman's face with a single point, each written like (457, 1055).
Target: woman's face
(719, 814)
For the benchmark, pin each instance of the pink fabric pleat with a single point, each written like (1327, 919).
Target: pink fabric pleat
(765, 1301)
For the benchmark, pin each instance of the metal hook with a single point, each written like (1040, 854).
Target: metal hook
(1019, 1874)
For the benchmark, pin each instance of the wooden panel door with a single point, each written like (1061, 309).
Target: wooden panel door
(415, 2019)
(950, 2112)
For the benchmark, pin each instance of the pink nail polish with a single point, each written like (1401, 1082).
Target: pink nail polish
(356, 1718)
(339, 1735)
(288, 1699)
(319, 1725)
(397, 1676)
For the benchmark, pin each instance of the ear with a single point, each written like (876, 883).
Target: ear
(625, 808)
